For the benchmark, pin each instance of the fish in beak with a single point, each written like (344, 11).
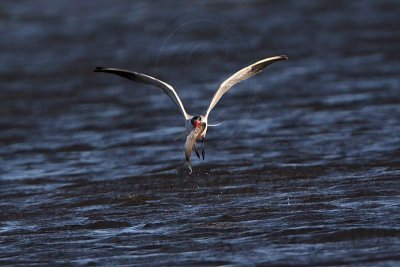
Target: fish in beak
(191, 140)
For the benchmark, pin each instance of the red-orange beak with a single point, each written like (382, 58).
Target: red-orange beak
(196, 124)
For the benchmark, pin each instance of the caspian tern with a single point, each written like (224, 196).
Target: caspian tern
(196, 125)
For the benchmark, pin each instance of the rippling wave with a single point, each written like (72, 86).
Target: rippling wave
(304, 170)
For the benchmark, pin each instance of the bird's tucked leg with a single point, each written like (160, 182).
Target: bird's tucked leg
(203, 151)
(195, 150)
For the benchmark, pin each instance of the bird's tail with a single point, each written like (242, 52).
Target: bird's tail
(215, 125)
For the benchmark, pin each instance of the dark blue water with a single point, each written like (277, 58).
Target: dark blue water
(304, 170)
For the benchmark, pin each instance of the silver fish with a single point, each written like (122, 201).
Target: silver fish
(190, 142)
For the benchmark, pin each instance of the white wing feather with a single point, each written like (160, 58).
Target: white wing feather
(241, 75)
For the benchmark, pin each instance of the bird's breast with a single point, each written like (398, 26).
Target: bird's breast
(202, 134)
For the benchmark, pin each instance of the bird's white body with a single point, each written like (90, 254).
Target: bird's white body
(196, 125)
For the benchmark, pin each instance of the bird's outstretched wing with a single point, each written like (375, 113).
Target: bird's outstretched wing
(143, 78)
(242, 75)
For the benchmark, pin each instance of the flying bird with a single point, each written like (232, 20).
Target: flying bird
(196, 125)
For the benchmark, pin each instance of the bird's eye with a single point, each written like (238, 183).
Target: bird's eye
(195, 118)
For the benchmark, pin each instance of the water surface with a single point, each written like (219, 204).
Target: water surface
(304, 170)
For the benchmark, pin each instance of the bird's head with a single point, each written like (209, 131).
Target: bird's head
(196, 121)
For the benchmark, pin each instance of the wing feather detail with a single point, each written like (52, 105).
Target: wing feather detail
(242, 75)
(143, 78)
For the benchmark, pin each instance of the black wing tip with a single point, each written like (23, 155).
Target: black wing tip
(285, 57)
(98, 69)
